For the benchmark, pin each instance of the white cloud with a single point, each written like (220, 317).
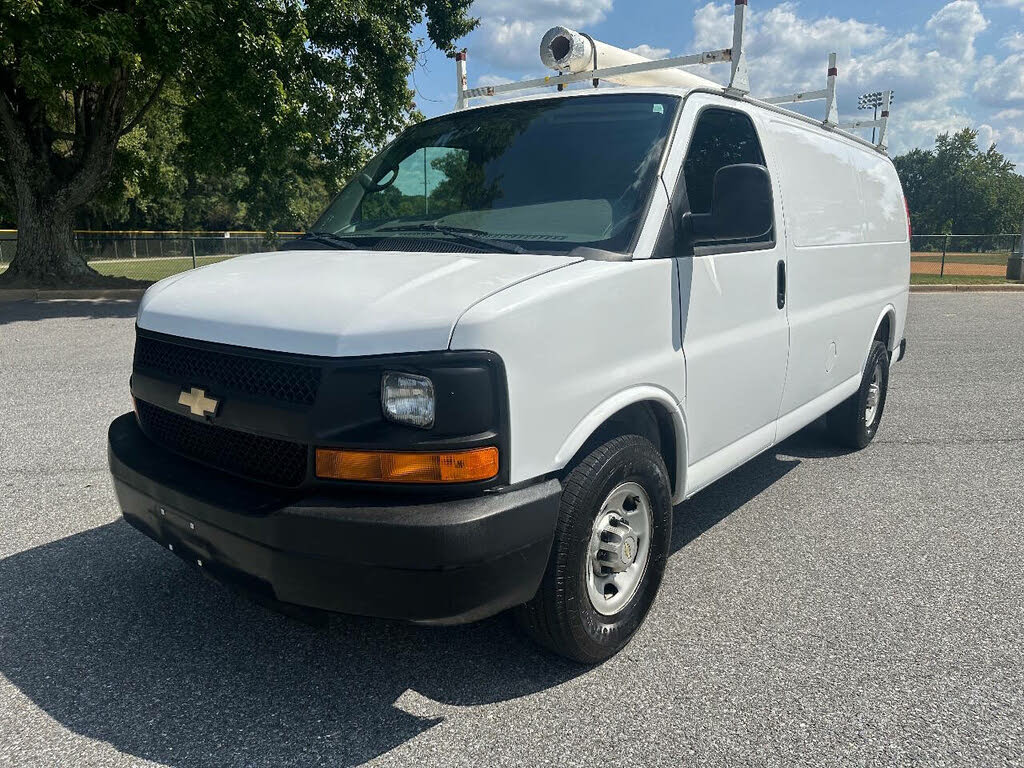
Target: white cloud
(934, 70)
(1010, 114)
(1001, 81)
(510, 30)
(1014, 42)
(491, 80)
(987, 136)
(649, 52)
(956, 26)
(1014, 136)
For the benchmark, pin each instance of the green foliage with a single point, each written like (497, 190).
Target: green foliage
(234, 112)
(957, 188)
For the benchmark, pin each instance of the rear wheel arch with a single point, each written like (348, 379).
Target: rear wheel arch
(885, 329)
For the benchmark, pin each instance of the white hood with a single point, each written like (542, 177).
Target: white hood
(334, 303)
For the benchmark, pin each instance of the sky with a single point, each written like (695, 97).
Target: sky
(951, 64)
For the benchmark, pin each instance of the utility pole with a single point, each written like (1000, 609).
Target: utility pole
(1015, 264)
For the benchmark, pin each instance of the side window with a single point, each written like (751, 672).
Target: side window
(722, 137)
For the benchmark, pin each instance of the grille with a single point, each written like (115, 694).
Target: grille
(426, 244)
(287, 382)
(265, 459)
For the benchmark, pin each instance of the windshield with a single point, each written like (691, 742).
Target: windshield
(543, 176)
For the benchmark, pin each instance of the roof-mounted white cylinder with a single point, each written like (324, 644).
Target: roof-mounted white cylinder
(568, 51)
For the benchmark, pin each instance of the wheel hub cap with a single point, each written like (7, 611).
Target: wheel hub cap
(616, 547)
(619, 548)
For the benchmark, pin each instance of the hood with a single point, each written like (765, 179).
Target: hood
(334, 303)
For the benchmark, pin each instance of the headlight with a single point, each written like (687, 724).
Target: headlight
(408, 399)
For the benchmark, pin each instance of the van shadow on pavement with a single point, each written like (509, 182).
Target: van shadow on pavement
(121, 642)
(30, 311)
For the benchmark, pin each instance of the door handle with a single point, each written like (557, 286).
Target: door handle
(781, 284)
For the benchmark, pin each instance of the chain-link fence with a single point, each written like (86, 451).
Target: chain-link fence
(152, 256)
(961, 255)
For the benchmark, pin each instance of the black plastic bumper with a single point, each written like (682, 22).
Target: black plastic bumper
(440, 561)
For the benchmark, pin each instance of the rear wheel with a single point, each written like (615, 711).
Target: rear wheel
(609, 552)
(854, 422)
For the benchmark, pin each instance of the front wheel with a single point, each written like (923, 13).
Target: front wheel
(609, 552)
(854, 422)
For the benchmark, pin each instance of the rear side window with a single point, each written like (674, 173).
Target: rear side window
(722, 137)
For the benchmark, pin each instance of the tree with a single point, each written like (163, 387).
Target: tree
(958, 189)
(274, 87)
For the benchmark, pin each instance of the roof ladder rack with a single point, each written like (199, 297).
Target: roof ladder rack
(739, 83)
(828, 93)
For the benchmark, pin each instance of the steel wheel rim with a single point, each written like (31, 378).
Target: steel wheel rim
(615, 546)
(874, 397)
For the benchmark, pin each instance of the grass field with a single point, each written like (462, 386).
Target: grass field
(147, 269)
(998, 257)
(919, 279)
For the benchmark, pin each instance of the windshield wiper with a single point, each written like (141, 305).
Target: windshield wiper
(329, 239)
(463, 234)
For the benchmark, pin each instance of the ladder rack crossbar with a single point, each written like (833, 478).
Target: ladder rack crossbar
(707, 57)
(798, 97)
(858, 124)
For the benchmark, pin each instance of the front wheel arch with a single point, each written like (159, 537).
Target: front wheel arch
(649, 412)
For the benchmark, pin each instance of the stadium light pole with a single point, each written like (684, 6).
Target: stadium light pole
(874, 101)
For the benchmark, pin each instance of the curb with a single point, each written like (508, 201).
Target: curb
(34, 294)
(992, 288)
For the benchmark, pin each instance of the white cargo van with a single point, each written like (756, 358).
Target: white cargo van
(509, 347)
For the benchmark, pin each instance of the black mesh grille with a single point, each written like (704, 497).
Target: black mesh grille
(288, 382)
(265, 459)
(425, 244)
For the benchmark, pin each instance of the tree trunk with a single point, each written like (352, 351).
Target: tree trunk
(47, 186)
(46, 253)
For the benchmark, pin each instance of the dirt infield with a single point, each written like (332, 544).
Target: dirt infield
(968, 264)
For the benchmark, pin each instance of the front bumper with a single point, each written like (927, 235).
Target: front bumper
(437, 561)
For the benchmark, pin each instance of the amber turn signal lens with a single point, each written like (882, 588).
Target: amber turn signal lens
(392, 467)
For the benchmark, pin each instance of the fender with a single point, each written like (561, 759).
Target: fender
(638, 394)
(888, 310)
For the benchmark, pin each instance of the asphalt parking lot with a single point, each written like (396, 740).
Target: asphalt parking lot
(820, 608)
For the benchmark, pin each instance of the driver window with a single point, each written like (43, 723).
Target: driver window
(721, 137)
(424, 184)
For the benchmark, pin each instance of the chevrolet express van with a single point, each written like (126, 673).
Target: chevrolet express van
(512, 344)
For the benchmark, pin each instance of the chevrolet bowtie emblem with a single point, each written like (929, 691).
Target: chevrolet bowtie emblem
(196, 401)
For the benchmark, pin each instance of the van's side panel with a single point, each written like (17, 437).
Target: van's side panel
(849, 255)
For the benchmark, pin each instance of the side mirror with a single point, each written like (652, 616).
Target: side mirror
(741, 206)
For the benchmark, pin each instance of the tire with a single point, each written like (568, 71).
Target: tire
(562, 616)
(848, 423)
